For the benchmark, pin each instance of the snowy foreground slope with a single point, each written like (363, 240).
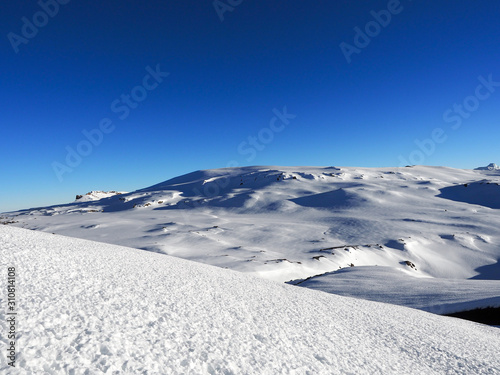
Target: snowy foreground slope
(433, 225)
(87, 307)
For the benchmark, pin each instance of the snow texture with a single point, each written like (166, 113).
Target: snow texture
(92, 308)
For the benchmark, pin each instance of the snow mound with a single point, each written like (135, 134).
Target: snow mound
(97, 195)
(87, 307)
(489, 167)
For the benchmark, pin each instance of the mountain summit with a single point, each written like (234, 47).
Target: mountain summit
(489, 167)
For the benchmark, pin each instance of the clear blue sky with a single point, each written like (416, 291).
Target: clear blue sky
(228, 70)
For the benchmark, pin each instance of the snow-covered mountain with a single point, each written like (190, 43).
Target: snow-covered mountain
(489, 167)
(291, 223)
(92, 308)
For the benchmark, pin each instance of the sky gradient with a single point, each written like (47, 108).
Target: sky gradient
(139, 92)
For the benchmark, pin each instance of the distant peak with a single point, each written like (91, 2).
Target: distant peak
(489, 167)
(96, 195)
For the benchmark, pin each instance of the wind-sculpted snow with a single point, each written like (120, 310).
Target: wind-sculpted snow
(92, 308)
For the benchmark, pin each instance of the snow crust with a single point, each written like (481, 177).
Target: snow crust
(92, 308)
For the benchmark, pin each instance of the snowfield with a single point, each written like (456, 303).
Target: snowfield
(432, 227)
(91, 308)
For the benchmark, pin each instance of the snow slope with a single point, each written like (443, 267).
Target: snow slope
(392, 285)
(91, 308)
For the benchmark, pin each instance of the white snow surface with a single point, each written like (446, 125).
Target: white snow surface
(92, 308)
(288, 223)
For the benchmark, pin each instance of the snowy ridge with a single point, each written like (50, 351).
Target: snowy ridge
(88, 307)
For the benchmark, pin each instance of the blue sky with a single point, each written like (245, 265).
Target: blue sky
(230, 71)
